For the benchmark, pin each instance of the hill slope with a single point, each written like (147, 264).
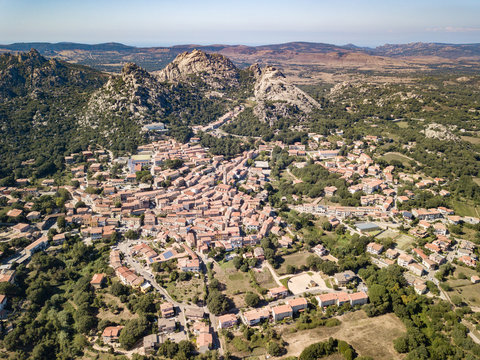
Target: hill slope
(50, 108)
(40, 100)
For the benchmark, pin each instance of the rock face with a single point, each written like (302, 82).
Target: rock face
(215, 70)
(135, 92)
(193, 78)
(276, 97)
(440, 132)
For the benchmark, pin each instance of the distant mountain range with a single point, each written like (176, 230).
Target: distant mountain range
(112, 56)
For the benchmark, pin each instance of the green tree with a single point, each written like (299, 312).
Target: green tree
(132, 332)
(217, 303)
(252, 299)
(275, 349)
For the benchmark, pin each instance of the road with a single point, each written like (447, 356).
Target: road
(144, 270)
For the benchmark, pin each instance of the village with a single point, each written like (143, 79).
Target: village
(176, 206)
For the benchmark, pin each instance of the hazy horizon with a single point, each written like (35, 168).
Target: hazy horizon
(153, 45)
(167, 23)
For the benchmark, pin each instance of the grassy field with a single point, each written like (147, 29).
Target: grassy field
(369, 336)
(468, 234)
(464, 209)
(239, 347)
(297, 259)
(405, 160)
(471, 139)
(265, 279)
(389, 233)
(404, 241)
(185, 291)
(402, 124)
(113, 301)
(469, 292)
(236, 282)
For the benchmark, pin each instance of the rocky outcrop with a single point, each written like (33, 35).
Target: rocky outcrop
(441, 132)
(276, 97)
(215, 70)
(135, 92)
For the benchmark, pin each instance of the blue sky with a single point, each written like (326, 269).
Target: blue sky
(169, 22)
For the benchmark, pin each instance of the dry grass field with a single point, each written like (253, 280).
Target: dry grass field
(369, 336)
(298, 259)
(236, 282)
(124, 313)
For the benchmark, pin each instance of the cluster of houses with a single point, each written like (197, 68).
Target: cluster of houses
(291, 307)
(126, 275)
(200, 207)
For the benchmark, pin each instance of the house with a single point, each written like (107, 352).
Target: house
(475, 279)
(391, 254)
(111, 333)
(22, 228)
(166, 325)
(33, 215)
(429, 215)
(404, 260)
(167, 309)
(204, 342)
(285, 241)
(358, 298)
(7, 276)
(298, 304)
(98, 280)
(151, 343)
(433, 247)
(320, 250)
(187, 265)
(259, 253)
(374, 248)
(343, 278)
(281, 312)
(37, 245)
(416, 268)
(429, 263)
(278, 292)
(437, 258)
(255, 316)
(326, 299)
(420, 287)
(58, 239)
(440, 229)
(342, 298)
(467, 260)
(14, 213)
(419, 252)
(227, 321)
(330, 191)
(194, 313)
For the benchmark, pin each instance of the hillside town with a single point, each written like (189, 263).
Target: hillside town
(176, 207)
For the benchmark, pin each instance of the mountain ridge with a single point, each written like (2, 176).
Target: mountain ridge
(111, 57)
(52, 107)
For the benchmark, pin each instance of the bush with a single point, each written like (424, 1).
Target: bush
(275, 349)
(401, 345)
(252, 299)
